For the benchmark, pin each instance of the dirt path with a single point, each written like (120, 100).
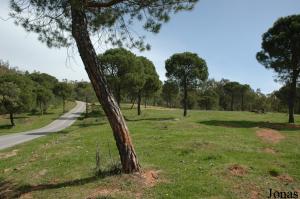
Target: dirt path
(270, 135)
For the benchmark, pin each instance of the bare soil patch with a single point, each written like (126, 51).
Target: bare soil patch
(26, 196)
(285, 178)
(102, 192)
(269, 150)
(237, 170)
(254, 195)
(150, 178)
(270, 135)
(42, 172)
(143, 180)
(8, 154)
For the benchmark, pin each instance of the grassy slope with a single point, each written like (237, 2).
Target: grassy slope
(27, 121)
(193, 154)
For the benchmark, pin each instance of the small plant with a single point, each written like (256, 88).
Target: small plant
(274, 172)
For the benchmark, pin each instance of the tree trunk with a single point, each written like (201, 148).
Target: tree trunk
(139, 103)
(292, 97)
(12, 122)
(133, 103)
(88, 55)
(41, 108)
(185, 100)
(145, 103)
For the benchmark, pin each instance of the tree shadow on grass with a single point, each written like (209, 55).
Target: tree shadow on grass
(84, 125)
(39, 114)
(252, 124)
(150, 119)
(96, 114)
(9, 189)
(6, 126)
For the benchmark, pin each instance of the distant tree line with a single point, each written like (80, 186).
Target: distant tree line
(226, 95)
(24, 92)
(133, 79)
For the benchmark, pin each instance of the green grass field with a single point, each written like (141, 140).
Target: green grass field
(206, 155)
(27, 121)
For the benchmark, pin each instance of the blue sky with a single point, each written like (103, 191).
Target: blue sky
(226, 33)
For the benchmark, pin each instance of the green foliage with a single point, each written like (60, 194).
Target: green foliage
(189, 70)
(117, 65)
(51, 20)
(45, 80)
(129, 75)
(16, 93)
(84, 92)
(208, 99)
(44, 97)
(170, 91)
(281, 47)
(191, 101)
(186, 68)
(152, 83)
(281, 52)
(10, 97)
(63, 90)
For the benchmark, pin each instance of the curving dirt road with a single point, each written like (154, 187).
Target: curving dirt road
(59, 124)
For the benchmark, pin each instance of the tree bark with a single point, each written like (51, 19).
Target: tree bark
(12, 122)
(139, 103)
(185, 99)
(88, 55)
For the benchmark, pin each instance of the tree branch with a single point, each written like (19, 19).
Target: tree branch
(93, 4)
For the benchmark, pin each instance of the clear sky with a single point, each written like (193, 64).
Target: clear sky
(226, 33)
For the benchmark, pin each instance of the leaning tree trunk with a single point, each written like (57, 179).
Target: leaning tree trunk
(12, 121)
(139, 103)
(133, 103)
(292, 98)
(89, 57)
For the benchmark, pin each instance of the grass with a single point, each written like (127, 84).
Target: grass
(193, 155)
(27, 121)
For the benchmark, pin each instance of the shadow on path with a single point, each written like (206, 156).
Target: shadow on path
(252, 124)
